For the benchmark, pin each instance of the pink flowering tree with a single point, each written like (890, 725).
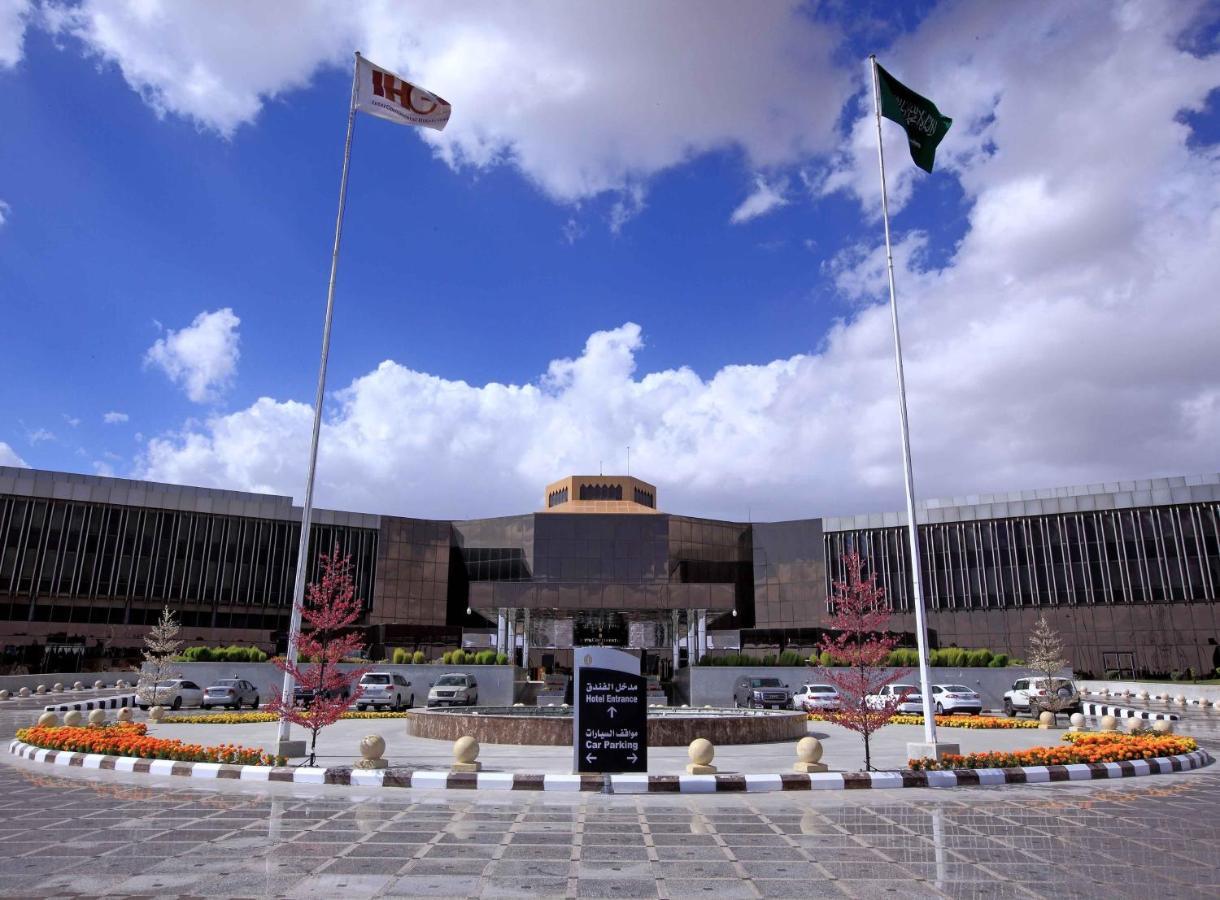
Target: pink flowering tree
(328, 634)
(859, 647)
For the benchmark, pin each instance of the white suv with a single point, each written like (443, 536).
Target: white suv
(1028, 695)
(454, 690)
(385, 689)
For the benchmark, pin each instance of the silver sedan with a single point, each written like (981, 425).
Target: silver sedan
(231, 692)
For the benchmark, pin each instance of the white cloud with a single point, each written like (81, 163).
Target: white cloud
(72, 421)
(14, 16)
(5, 209)
(201, 358)
(9, 457)
(115, 418)
(39, 435)
(103, 468)
(584, 97)
(1068, 337)
(763, 200)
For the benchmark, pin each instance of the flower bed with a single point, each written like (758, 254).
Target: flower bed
(952, 721)
(249, 718)
(1082, 747)
(131, 739)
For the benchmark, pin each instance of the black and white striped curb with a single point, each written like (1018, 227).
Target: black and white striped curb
(1125, 712)
(118, 702)
(619, 784)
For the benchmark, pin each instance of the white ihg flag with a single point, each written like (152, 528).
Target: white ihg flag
(385, 95)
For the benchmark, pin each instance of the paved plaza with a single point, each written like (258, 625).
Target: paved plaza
(103, 834)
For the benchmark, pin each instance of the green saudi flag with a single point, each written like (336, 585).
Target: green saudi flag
(924, 124)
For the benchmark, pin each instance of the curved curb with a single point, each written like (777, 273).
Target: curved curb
(620, 784)
(117, 702)
(1089, 708)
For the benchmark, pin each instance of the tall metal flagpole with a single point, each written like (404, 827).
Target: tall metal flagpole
(921, 634)
(298, 588)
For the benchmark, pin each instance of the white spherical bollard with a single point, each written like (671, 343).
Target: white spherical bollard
(73, 718)
(701, 752)
(99, 684)
(78, 686)
(1046, 719)
(809, 756)
(372, 748)
(97, 717)
(4, 695)
(466, 754)
(1134, 726)
(41, 689)
(155, 714)
(1142, 695)
(48, 720)
(24, 692)
(1179, 700)
(125, 714)
(1108, 723)
(57, 687)
(1162, 726)
(1077, 722)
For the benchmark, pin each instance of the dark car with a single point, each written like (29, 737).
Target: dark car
(761, 693)
(302, 696)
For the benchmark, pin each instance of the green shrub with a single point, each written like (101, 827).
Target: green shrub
(999, 661)
(399, 656)
(418, 657)
(790, 658)
(501, 659)
(459, 657)
(447, 658)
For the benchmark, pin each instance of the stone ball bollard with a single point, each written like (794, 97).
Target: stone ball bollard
(24, 692)
(1162, 726)
(48, 720)
(4, 695)
(99, 684)
(701, 751)
(57, 687)
(1142, 695)
(73, 718)
(1077, 722)
(1179, 700)
(1108, 723)
(372, 748)
(466, 755)
(1046, 719)
(97, 717)
(78, 685)
(1134, 726)
(41, 689)
(809, 756)
(125, 714)
(155, 714)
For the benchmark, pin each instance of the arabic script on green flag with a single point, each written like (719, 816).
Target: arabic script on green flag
(924, 124)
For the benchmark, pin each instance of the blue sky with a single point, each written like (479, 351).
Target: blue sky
(759, 373)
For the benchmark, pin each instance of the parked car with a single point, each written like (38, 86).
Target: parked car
(455, 689)
(1032, 695)
(385, 689)
(758, 693)
(814, 697)
(956, 698)
(911, 701)
(303, 696)
(174, 693)
(230, 692)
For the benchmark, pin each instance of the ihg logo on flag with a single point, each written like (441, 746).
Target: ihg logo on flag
(384, 94)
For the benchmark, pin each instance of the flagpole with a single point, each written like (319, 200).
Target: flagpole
(298, 588)
(921, 634)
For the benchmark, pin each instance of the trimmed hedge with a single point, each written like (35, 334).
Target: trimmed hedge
(902, 657)
(223, 654)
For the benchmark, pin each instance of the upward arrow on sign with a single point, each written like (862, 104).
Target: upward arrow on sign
(611, 711)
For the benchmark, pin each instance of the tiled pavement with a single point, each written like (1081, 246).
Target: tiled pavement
(73, 836)
(102, 834)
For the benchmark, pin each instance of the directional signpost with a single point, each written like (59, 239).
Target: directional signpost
(610, 725)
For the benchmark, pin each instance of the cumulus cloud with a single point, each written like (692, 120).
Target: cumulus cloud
(765, 198)
(115, 418)
(1067, 337)
(201, 358)
(14, 17)
(39, 435)
(4, 212)
(9, 457)
(583, 97)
